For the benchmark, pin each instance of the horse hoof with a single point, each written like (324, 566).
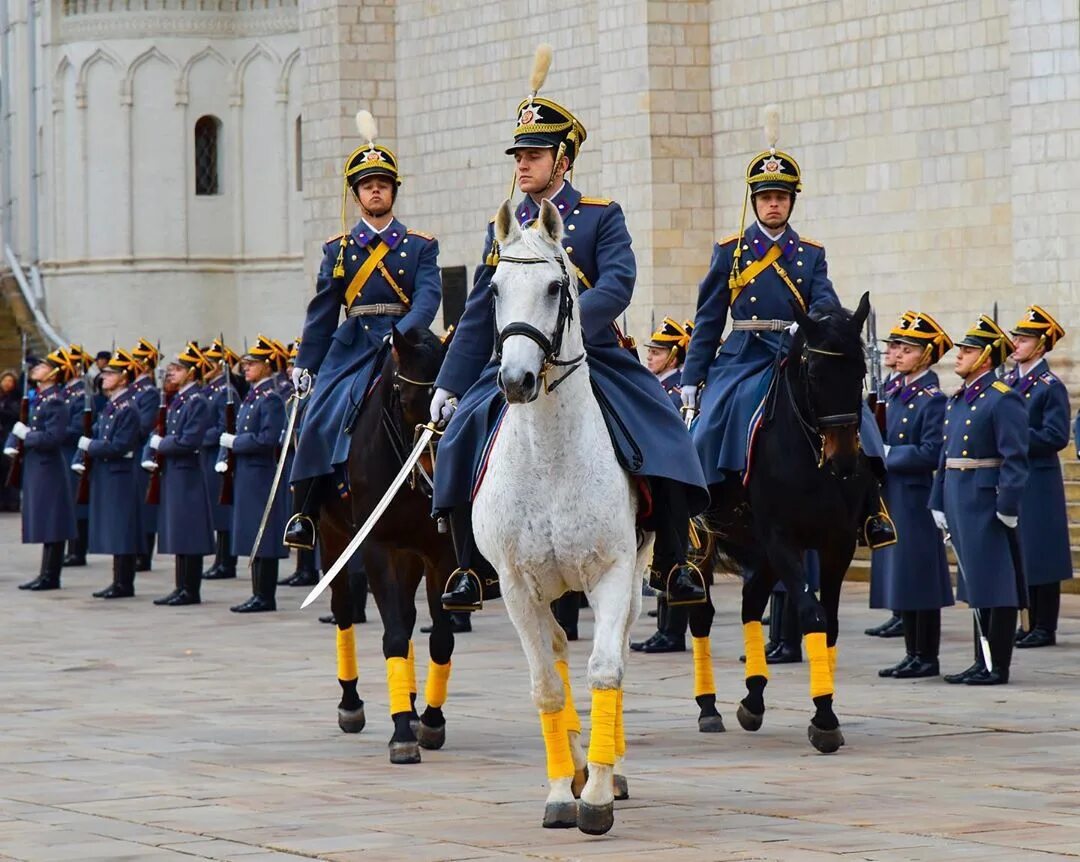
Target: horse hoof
(595, 819)
(351, 720)
(825, 741)
(404, 752)
(621, 787)
(560, 815)
(748, 720)
(714, 724)
(432, 738)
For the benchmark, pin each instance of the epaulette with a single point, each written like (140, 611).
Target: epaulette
(931, 389)
(336, 236)
(596, 202)
(812, 242)
(1048, 377)
(733, 238)
(1001, 387)
(420, 234)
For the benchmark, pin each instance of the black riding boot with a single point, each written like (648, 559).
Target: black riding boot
(878, 529)
(52, 560)
(474, 581)
(190, 566)
(670, 573)
(910, 622)
(224, 562)
(302, 531)
(776, 620)
(1000, 634)
(887, 626)
(123, 583)
(1044, 606)
(76, 555)
(789, 648)
(264, 574)
(566, 609)
(179, 583)
(979, 665)
(142, 561)
(306, 575)
(927, 643)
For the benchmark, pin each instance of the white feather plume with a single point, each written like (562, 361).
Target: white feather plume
(772, 125)
(541, 65)
(365, 125)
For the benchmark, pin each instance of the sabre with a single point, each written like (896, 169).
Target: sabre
(1021, 579)
(295, 399)
(350, 549)
(984, 644)
(689, 415)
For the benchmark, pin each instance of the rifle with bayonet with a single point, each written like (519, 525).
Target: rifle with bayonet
(82, 495)
(876, 399)
(14, 477)
(153, 489)
(226, 497)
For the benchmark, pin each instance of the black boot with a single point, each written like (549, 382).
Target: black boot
(179, 585)
(927, 642)
(567, 608)
(190, 581)
(894, 630)
(908, 619)
(1045, 607)
(264, 575)
(459, 624)
(224, 562)
(680, 582)
(878, 631)
(474, 581)
(76, 555)
(302, 531)
(878, 529)
(789, 648)
(123, 585)
(52, 560)
(1000, 635)
(306, 575)
(978, 665)
(142, 561)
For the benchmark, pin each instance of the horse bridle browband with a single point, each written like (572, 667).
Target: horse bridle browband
(835, 420)
(551, 347)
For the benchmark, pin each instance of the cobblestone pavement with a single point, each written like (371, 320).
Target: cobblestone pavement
(131, 732)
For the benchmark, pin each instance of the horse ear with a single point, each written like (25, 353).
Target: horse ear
(506, 226)
(806, 323)
(861, 313)
(550, 222)
(398, 342)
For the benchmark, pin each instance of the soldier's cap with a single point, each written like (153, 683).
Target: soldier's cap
(294, 348)
(901, 326)
(103, 354)
(146, 353)
(773, 170)
(923, 331)
(79, 357)
(991, 338)
(268, 350)
(193, 356)
(1038, 322)
(281, 355)
(544, 124)
(62, 363)
(673, 336)
(220, 352)
(122, 362)
(370, 159)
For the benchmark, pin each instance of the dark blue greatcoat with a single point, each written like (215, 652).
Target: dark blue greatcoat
(647, 432)
(344, 357)
(985, 419)
(736, 379)
(75, 397)
(184, 521)
(48, 506)
(217, 393)
(672, 387)
(114, 505)
(259, 428)
(913, 574)
(1044, 525)
(147, 399)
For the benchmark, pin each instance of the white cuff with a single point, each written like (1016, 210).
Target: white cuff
(155, 441)
(149, 465)
(226, 439)
(84, 444)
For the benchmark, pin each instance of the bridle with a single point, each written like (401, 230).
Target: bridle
(813, 425)
(549, 346)
(397, 438)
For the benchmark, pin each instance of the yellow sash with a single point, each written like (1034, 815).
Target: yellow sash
(356, 286)
(751, 272)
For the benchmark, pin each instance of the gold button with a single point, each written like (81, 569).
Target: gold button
(973, 408)
(354, 257)
(944, 436)
(946, 421)
(404, 240)
(967, 421)
(403, 254)
(901, 435)
(982, 395)
(753, 317)
(350, 242)
(570, 227)
(904, 419)
(366, 326)
(800, 248)
(745, 247)
(401, 272)
(911, 407)
(798, 281)
(569, 249)
(1028, 395)
(965, 437)
(752, 280)
(798, 263)
(753, 299)
(964, 452)
(577, 212)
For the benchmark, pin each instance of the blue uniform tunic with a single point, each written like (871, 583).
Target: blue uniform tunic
(647, 432)
(75, 397)
(345, 357)
(217, 393)
(1044, 525)
(48, 506)
(672, 387)
(114, 506)
(913, 574)
(985, 419)
(259, 426)
(184, 522)
(147, 401)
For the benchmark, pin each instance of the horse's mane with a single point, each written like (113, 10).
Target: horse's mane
(535, 243)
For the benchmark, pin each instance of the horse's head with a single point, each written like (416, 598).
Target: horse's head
(534, 295)
(416, 358)
(828, 351)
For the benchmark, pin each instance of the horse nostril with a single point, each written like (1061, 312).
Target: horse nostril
(499, 382)
(528, 382)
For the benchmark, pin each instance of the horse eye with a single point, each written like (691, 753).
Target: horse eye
(554, 287)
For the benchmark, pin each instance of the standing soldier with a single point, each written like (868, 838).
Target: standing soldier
(75, 395)
(148, 401)
(977, 492)
(185, 525)
(912, 576)
(218, 391)
(48, 507)
(307, 573)
(384, 275)
(110, 453)
(256, 445)
(1044, 531)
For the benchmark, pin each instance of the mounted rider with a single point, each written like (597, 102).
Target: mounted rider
(384, 275)
(755, 277)
(647, 433)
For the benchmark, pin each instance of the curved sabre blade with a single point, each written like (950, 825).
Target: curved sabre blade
(277, 477)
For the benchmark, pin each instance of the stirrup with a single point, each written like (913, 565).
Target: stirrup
(305, 529)
(884, 531)
(701, 578)
(449, 598)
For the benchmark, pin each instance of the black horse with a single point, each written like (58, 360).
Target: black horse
(807, 488)
(404, 546)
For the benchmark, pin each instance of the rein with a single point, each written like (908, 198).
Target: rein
(391, 419)
(549, 346)
(809, 423)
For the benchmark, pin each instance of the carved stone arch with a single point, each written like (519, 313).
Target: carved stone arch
(99, 56)
(286, 71)
(183, 82)
(151, 53)
(238, 75)
(62, 68)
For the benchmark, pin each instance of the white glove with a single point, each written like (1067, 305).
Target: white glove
(155, 441)
(78, 467)
(226, 439)
(84, 444)
(690, 397)
(11, 452)
(149, 466)
(20, 430)
(302, 381)
(1009, 521)
(939, 519)
(793, 328)
(221, 467)
(887, 448)
(443, 405)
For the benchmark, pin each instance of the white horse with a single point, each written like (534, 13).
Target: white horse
(556, 512)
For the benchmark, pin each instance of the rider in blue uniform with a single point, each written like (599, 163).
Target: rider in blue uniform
(647, 432)
(219, 390)
(1044, 528)
(148, 401)
(384, 275)
(755, 278)
(977, 495)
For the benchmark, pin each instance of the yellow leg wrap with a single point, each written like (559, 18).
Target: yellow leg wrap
(397, 681)
(435, 689)
(620, 732)
(821, 681)
(832, 662)
(557, 745)
(346, 654)
(754, 644)
(412, 668)
(570, 713)
(704, 683)
(602, 735)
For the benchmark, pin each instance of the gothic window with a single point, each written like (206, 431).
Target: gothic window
(298, 145)
(207, 143)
